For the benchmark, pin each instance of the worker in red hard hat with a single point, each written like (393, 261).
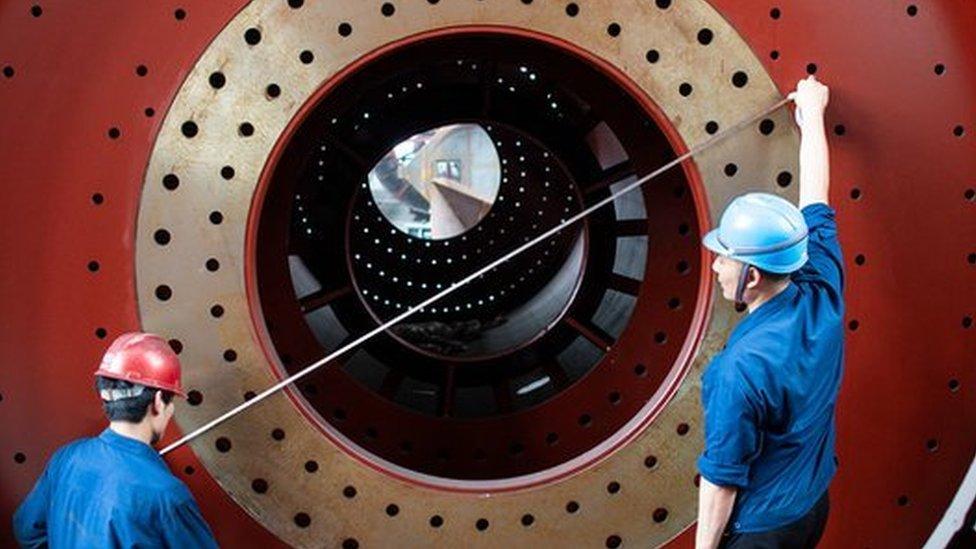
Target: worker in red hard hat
(115, 490)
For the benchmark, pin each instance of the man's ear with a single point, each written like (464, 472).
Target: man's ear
(157, 405)
(754, 277)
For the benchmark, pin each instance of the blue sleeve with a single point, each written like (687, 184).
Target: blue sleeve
(732, 418)
(826, 263)
(183, 526)
(30, 519)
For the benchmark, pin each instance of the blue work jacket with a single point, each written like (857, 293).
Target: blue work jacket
(109, 491)
(769, 395)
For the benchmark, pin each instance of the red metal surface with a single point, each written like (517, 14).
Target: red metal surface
(907, 416)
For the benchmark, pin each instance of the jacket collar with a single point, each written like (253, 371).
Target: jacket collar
(126, 444)
(764, 311)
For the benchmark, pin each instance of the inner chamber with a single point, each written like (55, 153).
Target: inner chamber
(539, 360)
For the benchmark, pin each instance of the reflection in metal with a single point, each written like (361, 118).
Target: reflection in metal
(439, 183)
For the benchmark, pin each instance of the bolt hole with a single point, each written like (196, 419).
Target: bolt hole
(302, 520)
(613, 29)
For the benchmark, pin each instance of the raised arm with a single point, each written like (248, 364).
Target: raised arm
(811, 99)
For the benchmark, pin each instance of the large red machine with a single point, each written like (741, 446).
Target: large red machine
(166, 166)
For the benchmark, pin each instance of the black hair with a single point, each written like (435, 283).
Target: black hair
(773, 277)
(132, 409)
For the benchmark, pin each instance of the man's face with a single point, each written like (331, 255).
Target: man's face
(727, 273)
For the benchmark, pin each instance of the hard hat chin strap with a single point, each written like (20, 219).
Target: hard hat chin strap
(740, 288)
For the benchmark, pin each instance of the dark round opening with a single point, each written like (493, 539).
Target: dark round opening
(332, 265)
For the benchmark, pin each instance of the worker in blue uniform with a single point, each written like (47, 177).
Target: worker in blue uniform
(114, 490)
(769, 395)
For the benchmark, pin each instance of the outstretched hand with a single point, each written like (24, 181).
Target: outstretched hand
(811, 98)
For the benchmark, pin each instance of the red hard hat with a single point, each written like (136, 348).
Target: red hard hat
(145, 359)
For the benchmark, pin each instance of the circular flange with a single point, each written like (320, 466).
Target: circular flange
(314, 491)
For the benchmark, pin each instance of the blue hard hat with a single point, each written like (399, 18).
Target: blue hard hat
(762, 230)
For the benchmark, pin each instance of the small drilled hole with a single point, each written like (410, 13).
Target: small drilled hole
(683, 429)
(939, 69)
(171, 182)
(585, 420)
(767, 126)
(660, 338)
(227, 172)
(194, 398)
(613, 29)
(954, 385)
(246, 129)
(93, 266)
(350, 543)
(853, 325)
(302, 520)
(101, 333)
(163, 292)
(652, 56)
(230, 355)
(840, 129)
(273, 90)
(176, 345)
(387, 9)
(278, 434)
(614, 541)
(572, 507)
(216, 218)
(311, 466)
(114, 133)
(142, 70)
(295, 4)
(189, 470)
(614, 398)
(252, 36)
(481, 524)
(902, 501)
(731, 169)
(740, 79)
(705, 36)
(179, 14)
(660, 514)
(392, 510)
(212, 265)
(775, 13)
(970, 195)
(36, 10)
(259, 485)
(217, 311)
(967, 322)
(527, 520)
(306, 57)
(783, 179)
(650, 462)
(345, 29)
(774, 55)
(161, 236)
(932, 445)
(349, 492)
(19, 457)
(855, 194)
(223, 445)
(613, 487)
(552, 439)
(663, 4)
(217, 80)
(912, 10)
(683, 267)
(640, 370)
(811, 68)
(8, 71)
(436, 521)
(674, 303)
(248, 395)
(189, 129)
(859, 259)
(958, 131)
(149, 112)
(572, 9)
(685, 89)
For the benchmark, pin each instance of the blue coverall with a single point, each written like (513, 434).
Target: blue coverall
(109, 491)
(769, 396)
